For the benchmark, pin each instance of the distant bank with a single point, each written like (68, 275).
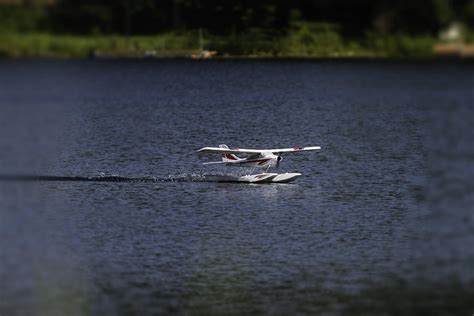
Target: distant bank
(186, 45)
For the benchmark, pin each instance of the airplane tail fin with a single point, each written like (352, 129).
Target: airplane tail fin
(228, 157)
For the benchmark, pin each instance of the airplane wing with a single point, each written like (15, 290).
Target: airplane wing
(254, 151)
(219, 150)
(290, 150)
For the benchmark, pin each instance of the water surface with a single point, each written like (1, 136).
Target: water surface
(380, 222)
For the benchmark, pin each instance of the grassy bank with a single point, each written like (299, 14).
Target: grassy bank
(73, 46)
(306, 41)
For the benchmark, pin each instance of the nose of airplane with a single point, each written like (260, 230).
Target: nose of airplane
(278, 161)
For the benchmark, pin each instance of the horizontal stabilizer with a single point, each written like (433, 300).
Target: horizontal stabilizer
(213, 163)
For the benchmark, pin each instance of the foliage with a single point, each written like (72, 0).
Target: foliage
(19, 19)
(400, 45)
(129, 17)
(307, 41)
(68, 28)
(47, 45)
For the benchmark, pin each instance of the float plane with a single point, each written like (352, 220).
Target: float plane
(256, 158)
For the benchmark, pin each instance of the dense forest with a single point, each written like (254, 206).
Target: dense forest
(254, 26)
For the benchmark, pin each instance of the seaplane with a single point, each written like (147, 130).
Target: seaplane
(256, 158)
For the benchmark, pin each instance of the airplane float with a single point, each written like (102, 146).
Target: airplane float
(256, 158)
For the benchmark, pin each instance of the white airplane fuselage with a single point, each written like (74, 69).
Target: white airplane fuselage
(263, 160)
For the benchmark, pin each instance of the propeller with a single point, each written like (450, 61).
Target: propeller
(279, 158)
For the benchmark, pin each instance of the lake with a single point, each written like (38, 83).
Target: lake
(381, 222)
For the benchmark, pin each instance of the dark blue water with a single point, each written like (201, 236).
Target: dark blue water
(381, 222)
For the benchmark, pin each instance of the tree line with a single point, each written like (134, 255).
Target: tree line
(353, 18)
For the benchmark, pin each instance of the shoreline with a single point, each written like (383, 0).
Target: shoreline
(185, 45)
(382, 59)
(179, 46)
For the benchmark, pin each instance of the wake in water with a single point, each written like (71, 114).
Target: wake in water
(116, 178)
